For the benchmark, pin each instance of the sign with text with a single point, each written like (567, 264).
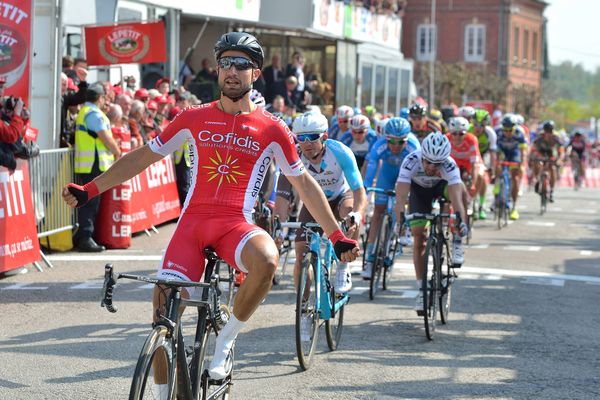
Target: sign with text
(15, 46)
(364, 26)
(19, 244)
(328, 16)
(130, 43)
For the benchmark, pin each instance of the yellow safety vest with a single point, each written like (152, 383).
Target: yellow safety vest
(86, 145)
(183, 152)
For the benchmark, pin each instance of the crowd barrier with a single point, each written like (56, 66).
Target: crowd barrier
(49, 173)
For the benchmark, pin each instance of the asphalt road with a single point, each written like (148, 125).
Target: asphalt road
(524, 324)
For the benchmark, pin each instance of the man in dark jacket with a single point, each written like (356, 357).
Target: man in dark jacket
(70, 98)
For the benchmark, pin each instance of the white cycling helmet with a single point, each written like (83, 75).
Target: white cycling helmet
(436, 147)
(519, 119)
(360, 122)
(458, 124)
(466, 112)
(257, 98)
(380, 126)
(310, 122)
(344, 112)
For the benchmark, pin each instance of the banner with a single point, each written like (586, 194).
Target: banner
(15, 45)
(154, 197)
(328, 16)
(130, 43)
(19, 244)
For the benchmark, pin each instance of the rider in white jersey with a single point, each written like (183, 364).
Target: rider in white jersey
(426, 174)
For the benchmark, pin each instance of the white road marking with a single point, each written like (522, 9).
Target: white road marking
(541, 223)
(25, 286)
(104, 257)
(479, 246)
(89, 285)
(534, 280)
(585, 252)
(523, 248)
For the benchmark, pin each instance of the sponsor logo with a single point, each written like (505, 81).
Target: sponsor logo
(215, 123)
(13, 54)
(223, 169)
(250, 128)
(172, 265)
(229, 138)
(262, 169)
(124, 41)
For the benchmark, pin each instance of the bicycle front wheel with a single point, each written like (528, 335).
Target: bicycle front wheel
(379, 259)
(307, 313)
(446, 280)
(392, 246)
(160, 351)
(430, 287)
(333, 326)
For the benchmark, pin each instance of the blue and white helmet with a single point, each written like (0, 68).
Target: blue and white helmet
(257, 98)
(397, 127)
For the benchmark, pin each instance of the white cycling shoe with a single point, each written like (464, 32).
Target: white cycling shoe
(343, 278)
(458, 254)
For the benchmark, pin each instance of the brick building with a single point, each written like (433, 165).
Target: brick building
(485, 48)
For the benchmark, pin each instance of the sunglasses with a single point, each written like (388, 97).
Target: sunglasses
(343, 121)
(240, 63)
(433, 164)
(507, 129)
(458, 133)
(359, 131)
(417, 117)
(395, 141)
(308, 137)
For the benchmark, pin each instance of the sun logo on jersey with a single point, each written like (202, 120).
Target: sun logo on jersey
(223, 169)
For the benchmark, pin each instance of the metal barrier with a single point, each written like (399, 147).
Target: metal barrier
(49, 173)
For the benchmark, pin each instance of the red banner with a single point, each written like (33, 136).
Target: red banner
(18, 233)
(15, 45)
(131, 43)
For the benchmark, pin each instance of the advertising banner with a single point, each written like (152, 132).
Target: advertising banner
(154, 197)
(364, 26)
(19, 244)
(328, 17)
(130, 43)
(15, 46)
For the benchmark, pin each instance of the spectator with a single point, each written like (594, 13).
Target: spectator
(207, 73)
(163, 85)
(278, 105)
(142, 95)
(136, 121)
(95, 151)
(273, 74)
(186, 73)
(11, 130)
(296, 68)
(119, 128)
(293, 98)
(70, 98)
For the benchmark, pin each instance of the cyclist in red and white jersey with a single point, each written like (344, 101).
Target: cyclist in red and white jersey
(232, 142)
(465, 151)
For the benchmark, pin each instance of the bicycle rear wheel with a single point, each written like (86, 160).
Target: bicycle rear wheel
(306, 307)
(379, 259)
(160, 349)
(284, 256)
(544, 195)
(446, 280)
(390, 257)
(430, 286)
(204, 387)
(334, 325)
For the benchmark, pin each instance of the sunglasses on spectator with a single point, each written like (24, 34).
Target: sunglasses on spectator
(308, 137)
(433, 164)
(395, 141)
(343, 121)
(240, 63)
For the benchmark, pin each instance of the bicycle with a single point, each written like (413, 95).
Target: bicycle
(502, 192)
(576, 168)
(186, 366)
(285, 250)
(543, 184)
(438, 270)
(386, 244)
(317, 300)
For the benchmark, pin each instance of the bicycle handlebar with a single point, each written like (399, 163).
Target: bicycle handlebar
(389, 192)
(107, 289)
(429, 216)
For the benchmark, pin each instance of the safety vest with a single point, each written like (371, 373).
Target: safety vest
(86, 145)
(183, 152)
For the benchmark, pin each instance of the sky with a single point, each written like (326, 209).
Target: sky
(574, 32)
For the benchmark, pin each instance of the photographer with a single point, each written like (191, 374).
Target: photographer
(12, 130)
(70, 98)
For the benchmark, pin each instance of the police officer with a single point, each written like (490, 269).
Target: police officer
(95, 151)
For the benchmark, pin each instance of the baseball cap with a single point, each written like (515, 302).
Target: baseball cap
(141, 93)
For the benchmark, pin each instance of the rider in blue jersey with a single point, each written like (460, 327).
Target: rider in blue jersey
(389, 151)
(333, 166)
(359, 139)
(341, 123)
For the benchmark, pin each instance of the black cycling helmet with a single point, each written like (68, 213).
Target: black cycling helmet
(508, 122)
(577, 133)
(417, 110)
(241, 41)
(548, 126)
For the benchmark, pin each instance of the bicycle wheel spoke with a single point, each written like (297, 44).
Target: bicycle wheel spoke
(307, 314)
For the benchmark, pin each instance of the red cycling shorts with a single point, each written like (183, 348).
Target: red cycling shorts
(227, 234)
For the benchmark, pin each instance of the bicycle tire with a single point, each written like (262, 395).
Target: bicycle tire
(143, 378)
(392, 249)
(334, 325)
(284, 256)
(204, 356)
(306, 349)
(446, 280)
(544, 195)
(430, 288)
(378, 260)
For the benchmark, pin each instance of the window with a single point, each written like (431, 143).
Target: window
(534, 49)
(475, 43)
(366, 83)
(392, 100)
(525, 46)
(516, 45)
(426, 42)
(379, 87)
